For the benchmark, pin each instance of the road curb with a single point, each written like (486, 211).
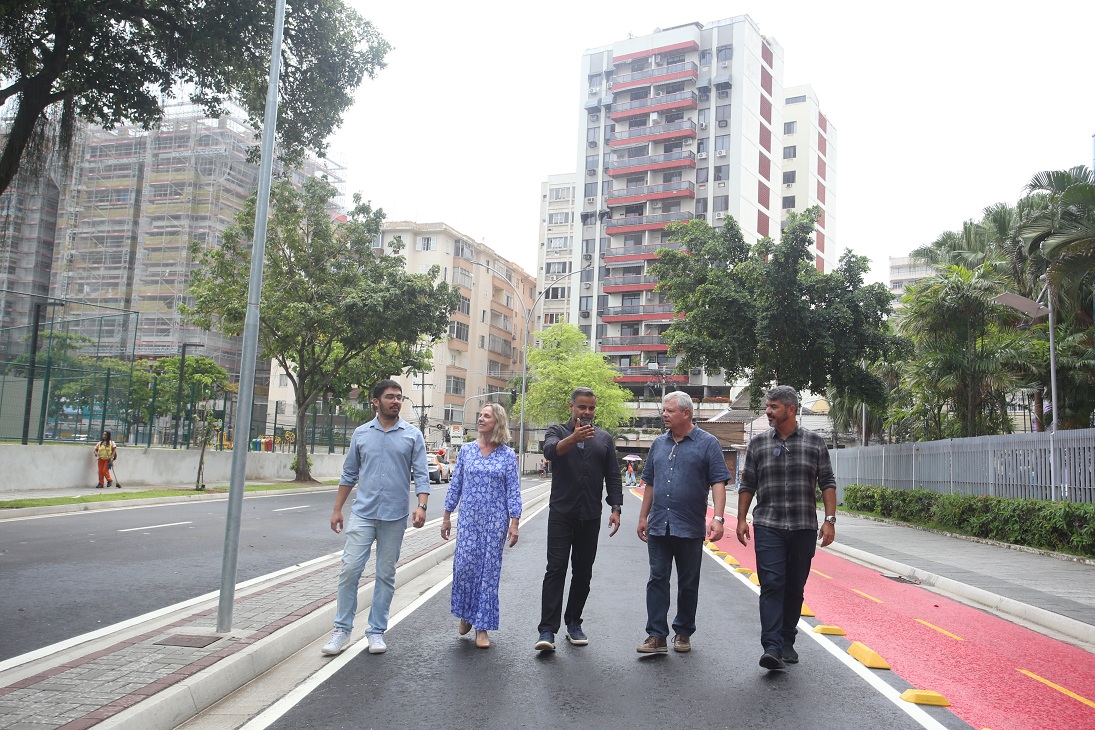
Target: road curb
(1063, 625)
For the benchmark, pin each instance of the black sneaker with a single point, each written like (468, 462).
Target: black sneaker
(771, 661)
(790, 656)
(576, 636)
(546, 642)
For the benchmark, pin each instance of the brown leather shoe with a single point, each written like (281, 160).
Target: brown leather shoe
(682, 643)
(481, 640)
(464, 627)
(653, 645)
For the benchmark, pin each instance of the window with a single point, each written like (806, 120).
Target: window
(701, 206)
(591, 189)
(458, 331)
(494, 368)
(675, 58)
(790, 153)
(705, 57)
(465, 305)
(461, 277)
(586, 275)
(378, 242)
(283, 380)
(631, 299)
(788, 202)
(720, 203)
(789, 177)
(724, 53)
(551, 318)
(454, 414)
(482, 342)
(722, 173)
(630, 329)
(588, 245)
(454, 385)
(674, 88)
(593, 162)
(557, 292)
(585, 330)
(795, 99)
(703, 116)
(790, 127)
(722, 142)
(701, 175)
(425, 243)
(585, 304)
(558, 242)
(464, 250)
(557, 268)
(558, 219)
(564, 193)
(722, 114)
(701, 144)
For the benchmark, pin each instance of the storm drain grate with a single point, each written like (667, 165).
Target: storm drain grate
(190, 640)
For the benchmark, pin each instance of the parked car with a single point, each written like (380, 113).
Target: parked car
(440, 471)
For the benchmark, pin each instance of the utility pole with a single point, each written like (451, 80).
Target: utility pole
(423, 415)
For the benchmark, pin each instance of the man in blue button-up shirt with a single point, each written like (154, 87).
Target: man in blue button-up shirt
(684, 465)
(383, 455)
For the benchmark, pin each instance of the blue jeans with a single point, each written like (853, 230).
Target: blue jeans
(663, 552)
(360, 536)
(783, 565)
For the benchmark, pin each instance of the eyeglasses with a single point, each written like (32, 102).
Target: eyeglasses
(673, 451)
(781, 446)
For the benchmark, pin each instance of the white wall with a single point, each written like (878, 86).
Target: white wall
(64, 467)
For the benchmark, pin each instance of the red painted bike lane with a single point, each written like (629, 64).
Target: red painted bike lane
(994, 673)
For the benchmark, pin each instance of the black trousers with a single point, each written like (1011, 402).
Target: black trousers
(568, 538)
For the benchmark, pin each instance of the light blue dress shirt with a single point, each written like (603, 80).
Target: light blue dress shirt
(381, 464)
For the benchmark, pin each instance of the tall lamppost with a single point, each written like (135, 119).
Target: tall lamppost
(524, 351)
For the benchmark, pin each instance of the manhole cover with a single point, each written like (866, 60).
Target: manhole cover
(195, 642)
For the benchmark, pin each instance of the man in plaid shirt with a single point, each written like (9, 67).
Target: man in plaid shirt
(782, 468)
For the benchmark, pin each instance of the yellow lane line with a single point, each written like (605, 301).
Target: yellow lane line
(942, 631)
(1059, 688)
(812, 570)
(868, 597)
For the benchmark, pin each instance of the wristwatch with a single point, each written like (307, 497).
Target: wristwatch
(831, 519)
(421, 506)
(720, 519)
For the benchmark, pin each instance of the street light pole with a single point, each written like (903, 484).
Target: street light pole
(524, 351)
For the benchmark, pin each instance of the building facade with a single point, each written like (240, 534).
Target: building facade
(484, 351)
(904, 271)
(685, 123)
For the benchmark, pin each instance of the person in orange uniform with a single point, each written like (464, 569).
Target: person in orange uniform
(106, 451)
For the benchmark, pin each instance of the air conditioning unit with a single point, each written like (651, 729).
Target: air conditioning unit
(590, 200)
(687, 142)
(659, 59)
(592, 143)
(659, 93)
(723, 123)
(701, 155)
(587, 285)
(720, 216)
(587, 256)
(725, 64)
(703, 125)
(584, 314)
(654, 116)
(591, 171)
(788, 185)
(594, 90)
(594, 117)
(655, 205)
(650, 296)
(724, 93)
(720, 153)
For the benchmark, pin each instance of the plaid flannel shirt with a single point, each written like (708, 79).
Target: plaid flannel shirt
(783, 474)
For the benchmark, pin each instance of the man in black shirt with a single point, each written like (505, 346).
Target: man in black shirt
(583, 461)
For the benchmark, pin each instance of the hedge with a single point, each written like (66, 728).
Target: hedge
(1059, 526)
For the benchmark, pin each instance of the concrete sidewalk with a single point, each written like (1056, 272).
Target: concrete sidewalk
(161, 673)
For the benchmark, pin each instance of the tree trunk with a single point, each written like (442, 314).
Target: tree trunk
(303, 472)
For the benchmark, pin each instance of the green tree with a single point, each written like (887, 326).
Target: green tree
(113, 61)
(334, 312)
(766, 312)
(563, 363)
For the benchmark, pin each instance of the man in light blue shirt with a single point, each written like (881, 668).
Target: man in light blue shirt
(383, 455)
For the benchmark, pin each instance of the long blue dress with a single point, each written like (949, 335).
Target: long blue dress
(488, 491)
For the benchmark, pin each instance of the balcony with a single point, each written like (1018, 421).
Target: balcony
(633, 224)
(620, 254)
(637, 312)
(665, 102)
(632, 282)
(653, 133)
(664, 161)
(645, 343)
(646, 375)
(656, 75)
(626, 196)
(683, 46)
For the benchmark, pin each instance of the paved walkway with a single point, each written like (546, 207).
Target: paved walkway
(159, 674)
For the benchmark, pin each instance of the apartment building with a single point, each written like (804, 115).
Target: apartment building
(485, 347)
(904, 271)
(686, 123)
(809, 161)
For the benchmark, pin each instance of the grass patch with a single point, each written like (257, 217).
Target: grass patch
(116, 496)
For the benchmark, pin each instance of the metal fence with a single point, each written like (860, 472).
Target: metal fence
(1050, 466)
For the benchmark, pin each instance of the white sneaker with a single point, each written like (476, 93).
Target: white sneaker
(339, 640)
(376, 644)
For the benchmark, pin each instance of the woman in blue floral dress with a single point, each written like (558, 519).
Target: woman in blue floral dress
(487, 487)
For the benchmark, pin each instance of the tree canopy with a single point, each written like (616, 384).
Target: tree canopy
(334, 313)
(766, 313)
(110, 61)
(563, 363)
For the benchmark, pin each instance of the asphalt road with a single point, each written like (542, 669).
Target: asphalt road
(432, 678)
(67, 574)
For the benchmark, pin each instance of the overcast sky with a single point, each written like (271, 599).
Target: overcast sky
(941, 108)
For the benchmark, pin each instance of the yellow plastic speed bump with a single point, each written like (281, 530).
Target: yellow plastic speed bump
(807, 611)
(711, 546)
(720, 553)
(830, 630)
(867, 656)
(754, 579)
(925, 697)
(731, 560)
(743, 570)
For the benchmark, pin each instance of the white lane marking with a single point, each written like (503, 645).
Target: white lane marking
(286, 509)
(893, 695)
(274, 712)
(153, 527)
